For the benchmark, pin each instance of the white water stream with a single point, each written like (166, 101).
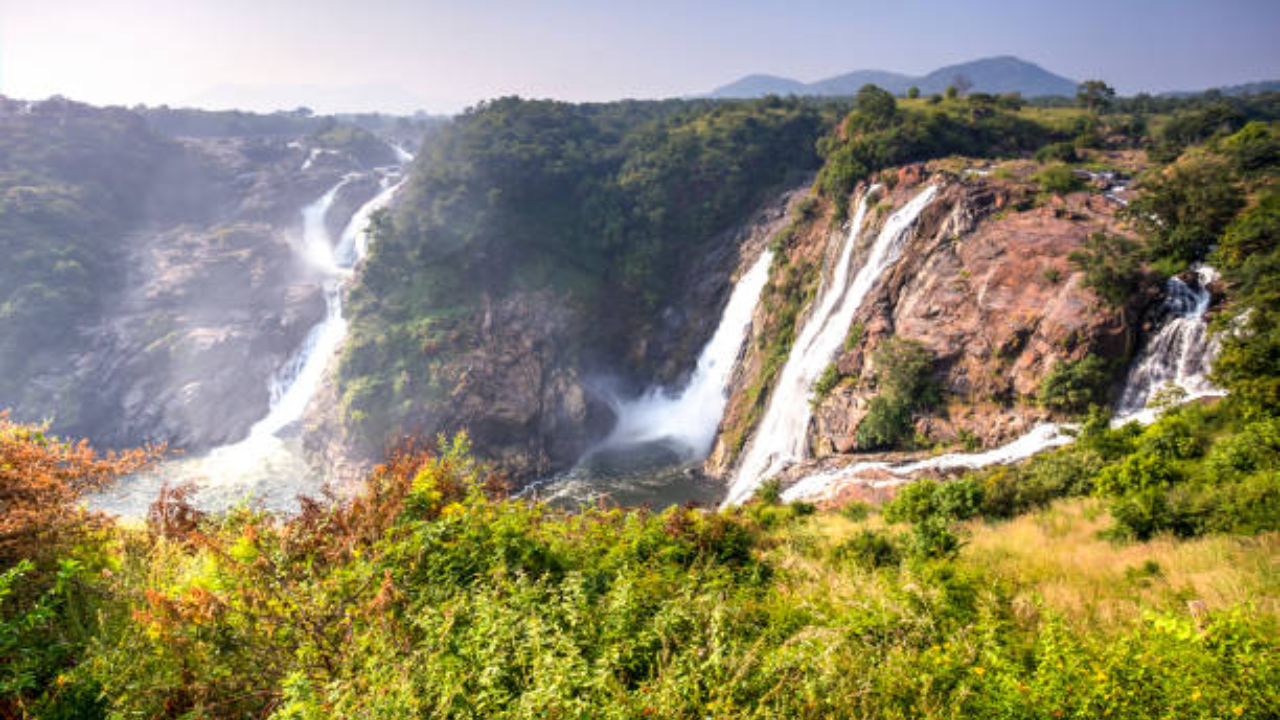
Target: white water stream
(1179, 355)
(779, 440)
(268, 464)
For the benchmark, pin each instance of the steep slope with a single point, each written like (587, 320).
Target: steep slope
(544, 252)
(982, 286)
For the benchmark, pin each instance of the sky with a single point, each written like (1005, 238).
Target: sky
(443, 55)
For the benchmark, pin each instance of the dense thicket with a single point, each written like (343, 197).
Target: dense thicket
(432, 596)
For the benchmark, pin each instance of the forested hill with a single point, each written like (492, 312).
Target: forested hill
(602, 206)
(72, 178)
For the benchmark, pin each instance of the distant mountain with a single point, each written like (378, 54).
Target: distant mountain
(1253, 88)
(761, 85)
(1003, 74)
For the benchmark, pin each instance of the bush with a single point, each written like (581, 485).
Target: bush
(1062, 152)
(1184, 209)
(904, 384)
(870, 549)
(1112, 267)
(1059, 180)
(1256, 147)
(1073, 386)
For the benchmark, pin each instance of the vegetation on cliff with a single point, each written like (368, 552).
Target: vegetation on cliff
(72, 179)
(601, 204)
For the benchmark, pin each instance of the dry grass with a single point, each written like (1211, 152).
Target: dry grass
(1057, 560)
(1059, 556)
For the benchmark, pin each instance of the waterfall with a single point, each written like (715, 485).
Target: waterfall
(268, 464)
(646, 457)
(780, 437)
(691, 416)
(1178, 355)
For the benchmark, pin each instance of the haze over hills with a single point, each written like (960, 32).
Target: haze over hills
(1001, 74)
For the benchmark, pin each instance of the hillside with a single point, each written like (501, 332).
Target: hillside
(154, 288)
(539, 244)
(994, 75)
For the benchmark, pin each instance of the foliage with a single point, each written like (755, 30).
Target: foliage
(878, 135)
(904, 384)
(1249, 258)
(1112, 266)
(1059, 179)
(1074, 385)
(1095, 95)
(1183, 210)
(1064, 152)
(47, 550)
(432, 594)
(42, 479)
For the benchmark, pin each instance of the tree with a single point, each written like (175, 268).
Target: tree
(1095, 95)
(952, 93)
(904, 384)
(1184, 209)
(913, 92)
(961, 83)
(1112, 266)
(876, 108)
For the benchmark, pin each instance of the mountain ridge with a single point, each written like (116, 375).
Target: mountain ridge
(996, 74)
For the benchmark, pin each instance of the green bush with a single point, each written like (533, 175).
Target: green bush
(1059, 180)
(1182, 211)
(1062, 152)
(904, 383)
(870, 549)
(1072, 386)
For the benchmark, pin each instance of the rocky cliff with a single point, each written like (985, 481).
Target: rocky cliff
(521, 376)
(984, 284)
(209, 292)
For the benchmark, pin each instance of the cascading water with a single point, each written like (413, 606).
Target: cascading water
(780, 437)
(1179, 355)
(691, 416)
(268, 464)
(647, 453)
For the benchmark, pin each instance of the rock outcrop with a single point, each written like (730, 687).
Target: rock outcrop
(984, 283)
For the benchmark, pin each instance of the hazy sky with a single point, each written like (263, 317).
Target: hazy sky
(444, 54)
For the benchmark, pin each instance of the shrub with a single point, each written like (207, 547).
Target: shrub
(1062, 152)
(903, 376)
(1059, 180)
(769, 492)
(1073, 386)
(1112, 266)
(825, 383)
(1256, 147)
(870, 549)
(1184, 209)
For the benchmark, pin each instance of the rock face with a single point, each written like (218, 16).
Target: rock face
(527, 386)
(216, 298)
(984, 283)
